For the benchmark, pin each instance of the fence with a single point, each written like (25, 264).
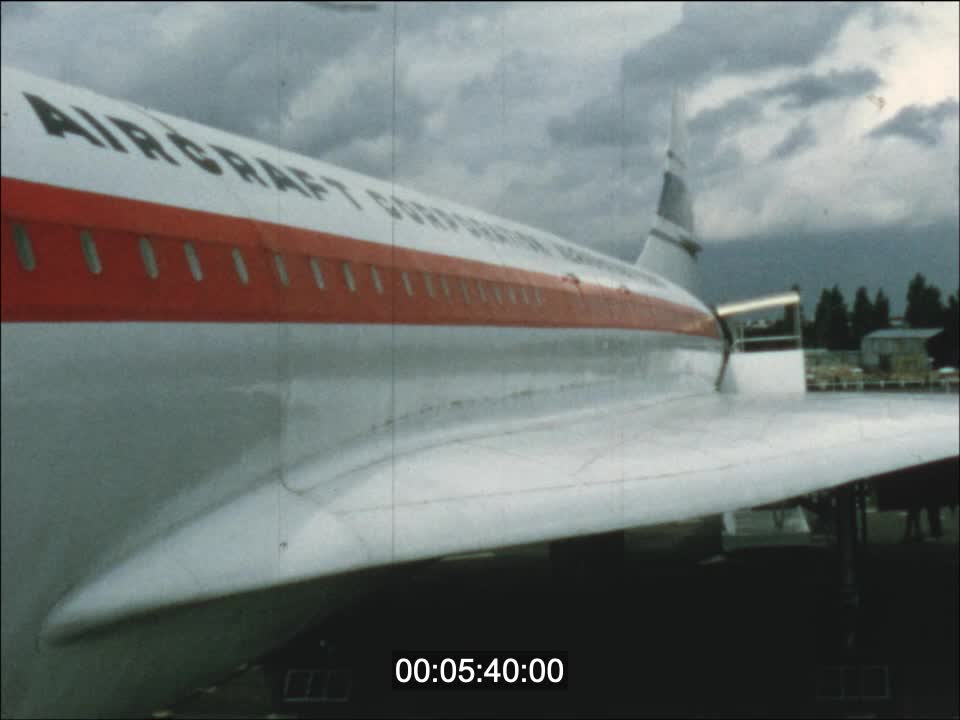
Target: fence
(942, 385)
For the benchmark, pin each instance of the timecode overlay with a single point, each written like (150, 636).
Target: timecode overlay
(421, 670)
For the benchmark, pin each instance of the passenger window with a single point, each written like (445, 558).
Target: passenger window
(193, 261)
(497, 294)
(240, 266)
(428, 281)
(538, 296)
(317, 275)
(149, 259)
(348, 276)
(465, 289)
(90, 252)
(445, 286)
(375, 274)
(481, 291)
(512, 294)
(523, 293)
(281, 269)
(406, 283)
(24, 248)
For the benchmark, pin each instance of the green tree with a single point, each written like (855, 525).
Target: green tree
(839, 322)
(944, 346)
(821, 319)
(881, 312)
(924, 307)
(809, 334)
(831, 327)
(861, 322)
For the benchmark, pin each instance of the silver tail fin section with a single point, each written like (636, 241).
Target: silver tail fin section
(671, 250)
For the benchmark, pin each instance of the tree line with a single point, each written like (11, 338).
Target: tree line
(835, 327)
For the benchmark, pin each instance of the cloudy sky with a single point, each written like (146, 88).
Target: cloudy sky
(824, 138)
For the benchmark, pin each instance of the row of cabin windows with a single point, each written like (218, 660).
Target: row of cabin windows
(147, 254)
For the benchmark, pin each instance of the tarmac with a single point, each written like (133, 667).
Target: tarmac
(681, 630)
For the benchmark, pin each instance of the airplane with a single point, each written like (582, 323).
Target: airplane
(233, 375)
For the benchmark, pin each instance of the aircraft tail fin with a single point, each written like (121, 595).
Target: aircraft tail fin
(671, 250)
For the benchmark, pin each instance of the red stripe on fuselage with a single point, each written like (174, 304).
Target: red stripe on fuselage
(61, 288)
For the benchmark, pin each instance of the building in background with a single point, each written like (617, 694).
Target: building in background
(897, 350)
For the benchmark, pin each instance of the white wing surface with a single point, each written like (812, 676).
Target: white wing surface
(559, 476)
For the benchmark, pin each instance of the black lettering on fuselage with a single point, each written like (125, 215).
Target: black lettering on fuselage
(101, 128)
(343, 191)
(500, 234)
(535, 244)
(485, 230)
(147, 144)
(384, 203)
(468, 224)
(196, 153)
(521, 241)
(570, 254)
(447, 219)
(428, 214)
(242, 167)
(280, 179)
(410, 212)
(318, 190)
(58, 123)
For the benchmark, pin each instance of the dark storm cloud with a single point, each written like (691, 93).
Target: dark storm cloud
(517, 75)
(877, 257)
(727, 117)
(599, 122)
(488, 104)
(255, 63)
(14, 10)
(736, 37)
(920, 123)
(365, 114)
(711, 39)
(810, 89)
(801, 137)
(420, 16)
(802, 92)
(721, 159)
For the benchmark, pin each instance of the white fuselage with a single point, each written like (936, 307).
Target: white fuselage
(145, 383)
